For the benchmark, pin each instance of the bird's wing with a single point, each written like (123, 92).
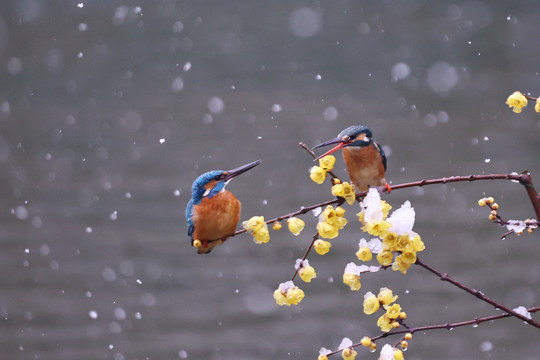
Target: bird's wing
(383, 155)
(189, 217)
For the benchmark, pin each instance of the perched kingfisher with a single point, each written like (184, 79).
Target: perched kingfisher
(212, 213)
(364, 158)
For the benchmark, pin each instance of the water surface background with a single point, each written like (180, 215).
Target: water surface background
(110, 109)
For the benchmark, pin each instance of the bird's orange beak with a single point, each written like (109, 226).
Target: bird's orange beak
(240, 170)
(340, 144)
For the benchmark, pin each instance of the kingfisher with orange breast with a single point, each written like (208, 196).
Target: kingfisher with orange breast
(212, 213)
(364, 158)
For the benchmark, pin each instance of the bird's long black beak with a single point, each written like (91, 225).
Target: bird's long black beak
(240, 170)
(340, 145)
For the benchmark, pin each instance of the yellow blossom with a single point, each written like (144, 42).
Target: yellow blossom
(280, 297)
(482, 202)
(408, 256)
(417, 244)
(321, 246)
(317, 174)
(339, 211)
(385, 323)
(295, 225)
(307, 273)
(288, 294)
(376, 228)
(371, 304)
(197, 243)
(401, 265)
(262, 235)
(326, 230)
(408, 336)
(537, 105)
(403, 241)
(398, 354)
(327, 163)
(276, 225)
(361, 216)
(393, 311)
(294, 296)
(254, 223)
(517, 101)
(334, 217)
(352, 280)
(390, 240)
(386, 207)
(366, 341)
(346, 191)
(385, 257)
(364, 254)
(386, 296)
(322, 357)
(348, 354)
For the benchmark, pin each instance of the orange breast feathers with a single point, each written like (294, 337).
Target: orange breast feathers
(217, 217)
(365, 166)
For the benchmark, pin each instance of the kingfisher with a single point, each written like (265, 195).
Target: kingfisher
(212, 213)
(364, 158)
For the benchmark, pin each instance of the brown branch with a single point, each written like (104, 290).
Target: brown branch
(480, 295)
(315, 237)
(447, 326)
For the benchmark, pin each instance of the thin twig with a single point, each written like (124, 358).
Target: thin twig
(447, 326)
(480, 295)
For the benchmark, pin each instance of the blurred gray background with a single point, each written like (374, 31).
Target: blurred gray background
(110, 109)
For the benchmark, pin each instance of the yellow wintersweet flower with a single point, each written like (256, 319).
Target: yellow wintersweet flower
(393, 311)
(386, 207)
(280, 297)
(376, 228)
(321, 246)
(339, 211)
(326, 230)
(262, 235)
(385, 323)
(346, 191)
(366, 341)
(403, 242)
(361, 215)
(307, 273)
(398, 354)
(386, 296)
(537, 105)
(317, 174)
(408, 256)
(364, 254)
(332, 216)
(322, 357)
(197, 243)
(517, 101)
(417, 244)
(294, 296)
(327, 163)
(254, 223)
(276, 225)
(401, 265)
(352, 280)
(390, 240)
(288, 294)
(348, 354)
(371, 304)
(295, 225)
(385, 257)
